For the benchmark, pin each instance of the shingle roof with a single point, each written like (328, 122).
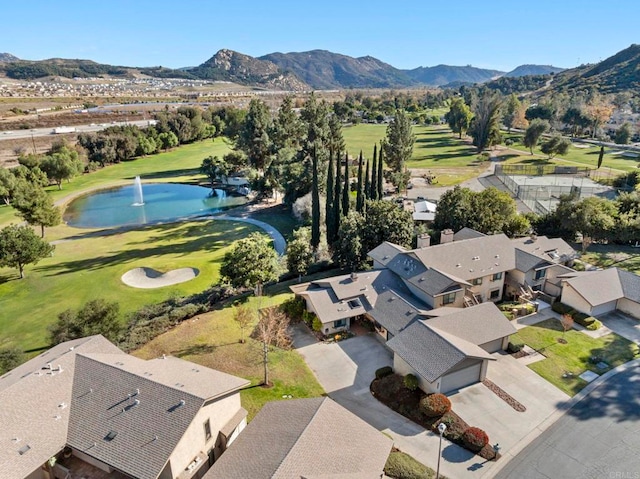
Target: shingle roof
(630, 285)
(432, 352)
(467, 233)
(385, 252)
(394, 311)
(552, 249)
(36, 399)
(147, 404)
(528, 261)
(478, 324)
(598, 287)
(471, 258)
(310, 438)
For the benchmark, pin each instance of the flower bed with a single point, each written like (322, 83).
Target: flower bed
(390, 390)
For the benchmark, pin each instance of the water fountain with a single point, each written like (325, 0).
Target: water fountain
(138, 199)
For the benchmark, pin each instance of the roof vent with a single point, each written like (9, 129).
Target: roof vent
(71, 348)
(458, 265)
(164, 356)
(497, 256)
(24, 449)
(62, 405)
(57, 417)
(182, 402)
(476, 258)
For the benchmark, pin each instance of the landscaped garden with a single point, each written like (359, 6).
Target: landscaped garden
(577, 353)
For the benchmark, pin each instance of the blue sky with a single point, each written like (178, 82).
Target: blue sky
(405, 33)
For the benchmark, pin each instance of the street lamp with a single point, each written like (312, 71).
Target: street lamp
(442, 427)
(496, 450)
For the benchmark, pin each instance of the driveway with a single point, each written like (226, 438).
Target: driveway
(346, 369)
(481, 407)
(597, 438)
(622, 325)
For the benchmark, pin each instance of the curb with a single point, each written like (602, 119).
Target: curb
(553, 417)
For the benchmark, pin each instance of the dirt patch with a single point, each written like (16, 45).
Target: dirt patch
(505, 396)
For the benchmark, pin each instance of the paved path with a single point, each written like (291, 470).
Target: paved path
(622, 325)
(346, 369)
(599, 437)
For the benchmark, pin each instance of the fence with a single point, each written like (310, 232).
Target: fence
(542, 170)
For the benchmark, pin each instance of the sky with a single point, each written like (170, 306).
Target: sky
(495, 34)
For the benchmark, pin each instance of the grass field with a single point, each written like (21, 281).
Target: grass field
(606, 255)
(91, 268)
(572, 357)
(213, 341)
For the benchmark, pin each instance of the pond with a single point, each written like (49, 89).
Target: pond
(121, 206)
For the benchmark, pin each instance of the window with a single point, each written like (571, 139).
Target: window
(476, 281)
(340, 323)
(494, 294)
(496, 276)
(207, 430)
(541, 273)
(449, 298)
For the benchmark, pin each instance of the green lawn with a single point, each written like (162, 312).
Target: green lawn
(572, 357)
(213, 341)
(91, 268)
(178, 165)
(607, 255)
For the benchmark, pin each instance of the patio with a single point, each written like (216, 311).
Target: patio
(78, 469)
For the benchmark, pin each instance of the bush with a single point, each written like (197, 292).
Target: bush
(411, 382)
(384, 372)
(514, 347)
(594, 325)
(402, 466)
(293, 308)
(316, 324)
(475, 439)
(562, 308)
(435, 405)
(10, 357)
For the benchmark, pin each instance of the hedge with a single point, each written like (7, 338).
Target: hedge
(562, 308)
(402, 466)
(435, 405)
(475, 439)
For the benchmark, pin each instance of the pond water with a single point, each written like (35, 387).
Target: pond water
(160, 202)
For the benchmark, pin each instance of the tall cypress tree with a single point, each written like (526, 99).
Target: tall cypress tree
(337, 199)
(367, 182)
(345, 189)
(380, 174)
(374, 174)
(359, 195)
(330, 208)
(315, 203)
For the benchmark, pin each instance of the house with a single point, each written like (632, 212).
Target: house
(424, 211)
(305, 438)
(600, 292)
(86, 404)
(451, 347)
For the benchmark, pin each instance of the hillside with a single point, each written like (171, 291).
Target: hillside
(617, 73)
(447, 74)
(8, 57)
(227, 65)
(322, 69)
(526, 70)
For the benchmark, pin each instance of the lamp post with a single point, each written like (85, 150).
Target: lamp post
(442, 427)
(496, 450)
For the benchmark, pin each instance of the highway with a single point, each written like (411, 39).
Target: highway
(17, 134)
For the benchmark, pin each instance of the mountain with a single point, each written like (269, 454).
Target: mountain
(227, 65)
(617, 73)
(445, 74)
(525, 70)
(8, 57)
(322, 69)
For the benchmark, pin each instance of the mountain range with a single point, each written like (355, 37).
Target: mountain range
(321, 69)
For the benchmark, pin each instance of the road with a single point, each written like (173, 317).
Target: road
(598, 438)
(13, 135)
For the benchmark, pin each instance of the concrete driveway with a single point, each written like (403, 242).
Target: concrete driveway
(622, 325)
(481, 407)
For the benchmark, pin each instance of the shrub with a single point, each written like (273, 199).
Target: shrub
(594, 325)
(402, 466)
(293, 308)
(10, 357)
(475, 439)
(514, 347)
(578, 317)
(411, 382)
(435, 405)
(316, 324)
(561, 308)
(383, 372)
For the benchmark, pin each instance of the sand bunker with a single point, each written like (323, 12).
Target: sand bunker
(148, 278)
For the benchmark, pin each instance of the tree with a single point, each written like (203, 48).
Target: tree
(61, 166)
(600, 156)
(536, 129)
(19, 246)
(485, 129)
(243, 316)
(348, 251)
(459, 116)
(36, 207)
(253, 137)
(623, 135)
(8, 183)
(288, 130)
(272, 331)
(373, 186)
(514, 114)
(367, 182)
(315, 204)
(168, 140)
(330, 211)
(94, 317)
(555, 145)
(399, 140)
(10, 357)
(214, 168)
(299, 251)
(251, 261)
(359, 191)
(454, 209)
(337, 199)
(593, 218)
(380, 175)
(567, 323)
(384, 221)
(598, 110)
(345, 189)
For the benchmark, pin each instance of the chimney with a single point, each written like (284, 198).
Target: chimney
(424, 240)
(446, 236)
(533, 237)
(354, 276)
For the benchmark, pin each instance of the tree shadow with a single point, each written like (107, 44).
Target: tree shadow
(168, 174)
(196, 349)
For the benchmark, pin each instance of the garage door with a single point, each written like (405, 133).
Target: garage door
(461, 378)
(492, 346)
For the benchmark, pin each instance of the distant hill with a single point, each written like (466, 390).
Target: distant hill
(447, 74)
(322, 69)
(617, 73)
(526, 70)
(8, 57)
(228, 65)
